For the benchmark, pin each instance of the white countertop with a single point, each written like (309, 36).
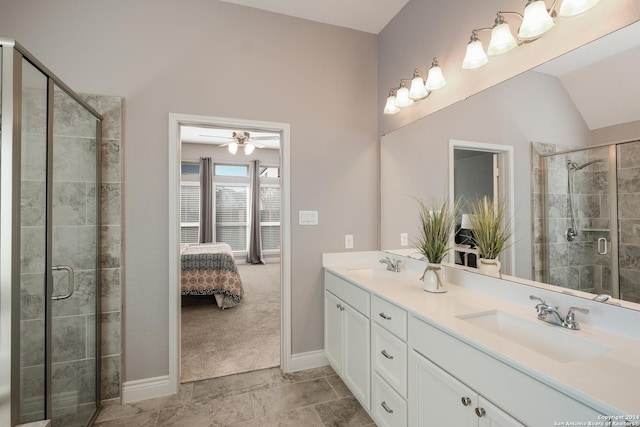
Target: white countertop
(608, 382)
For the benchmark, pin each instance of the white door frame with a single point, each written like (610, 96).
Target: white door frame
(508, 179)
(175, 121)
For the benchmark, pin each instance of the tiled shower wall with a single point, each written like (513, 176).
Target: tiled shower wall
(74, 219)
(578, 265)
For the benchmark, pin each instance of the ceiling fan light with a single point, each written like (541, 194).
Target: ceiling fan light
(248, 148)
(435, 79)
(233, 147)
(502, 41)
(570, 8)
(390, 107)
(402, 97)
(536, 20)
(475, 57)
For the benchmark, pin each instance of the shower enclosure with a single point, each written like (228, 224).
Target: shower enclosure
(49, 247)
(591, 219)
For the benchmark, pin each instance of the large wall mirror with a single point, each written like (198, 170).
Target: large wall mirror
(573, 124)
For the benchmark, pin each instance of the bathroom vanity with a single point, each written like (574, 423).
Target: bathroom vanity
(476, 355)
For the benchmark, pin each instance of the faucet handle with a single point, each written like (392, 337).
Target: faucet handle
(570, 321)
(535, 298)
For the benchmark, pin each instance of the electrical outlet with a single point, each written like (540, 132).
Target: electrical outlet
(348, 241)
(404, 239)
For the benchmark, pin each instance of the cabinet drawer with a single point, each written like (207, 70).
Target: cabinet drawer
(389, 409)
(390, 359)
(389, 316)
(515, 392)
(351, 294)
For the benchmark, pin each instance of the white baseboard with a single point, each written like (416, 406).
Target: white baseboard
(148, 388)
(308, 360)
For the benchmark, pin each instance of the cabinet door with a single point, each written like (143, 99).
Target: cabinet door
(333, 331)
(492, 416)
(356, 369)
(438, 399)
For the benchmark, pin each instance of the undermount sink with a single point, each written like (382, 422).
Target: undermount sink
(554, 342)
(373, 273)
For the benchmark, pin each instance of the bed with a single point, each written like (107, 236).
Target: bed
(210, 269)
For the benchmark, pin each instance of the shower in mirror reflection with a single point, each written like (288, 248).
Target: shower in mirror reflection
(572, 231)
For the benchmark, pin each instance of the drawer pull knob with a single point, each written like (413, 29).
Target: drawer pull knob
(466, 401)
(387, 355)
(386, 407)
(384, 316)
(480, 412)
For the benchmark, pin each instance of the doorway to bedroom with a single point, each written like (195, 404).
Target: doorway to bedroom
(230, 250)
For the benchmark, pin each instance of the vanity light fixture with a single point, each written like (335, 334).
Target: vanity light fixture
(537, 20)
(435, 79)
(475, 57)
(570, 8)
(502, 41)
(402, 96)
(390, 107)
(418, 89)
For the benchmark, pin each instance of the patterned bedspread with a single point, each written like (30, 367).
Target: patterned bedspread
(209, 269)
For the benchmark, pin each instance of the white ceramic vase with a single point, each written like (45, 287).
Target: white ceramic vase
(490, 267)
(434, 278)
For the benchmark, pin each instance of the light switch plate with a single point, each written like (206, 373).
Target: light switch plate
(307, 217)
(348, 241)
(404, 239)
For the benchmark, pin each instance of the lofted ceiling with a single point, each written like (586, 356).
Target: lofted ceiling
(370, 16)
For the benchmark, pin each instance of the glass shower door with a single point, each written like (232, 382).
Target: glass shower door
(581, 235)
(74, 258)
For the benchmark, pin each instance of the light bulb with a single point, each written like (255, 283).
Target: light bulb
(248, 148)
(475, 57)
(402, 97)
(570, 8)
(435, 79)
(417, 91)
(390, 107)
(233, 147)
(536, 20)
(502, 40)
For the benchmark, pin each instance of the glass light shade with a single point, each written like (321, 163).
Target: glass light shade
(248, 148)
(233, 147)
(536, 21)
(475, 57)
(390, 106)
(402, 97)
(570, 8)
(435, 79)
(502, 40)
(417, 91)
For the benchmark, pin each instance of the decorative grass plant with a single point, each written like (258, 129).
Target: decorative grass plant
(438, 223)
(491, 230)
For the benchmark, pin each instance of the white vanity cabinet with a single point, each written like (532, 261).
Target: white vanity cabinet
(524, 398)
(437, 398)
(347, 339)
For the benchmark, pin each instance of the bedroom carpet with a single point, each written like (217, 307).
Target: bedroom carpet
(245, 338)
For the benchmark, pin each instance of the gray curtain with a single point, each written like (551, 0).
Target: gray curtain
(206, 200)
(254, 254)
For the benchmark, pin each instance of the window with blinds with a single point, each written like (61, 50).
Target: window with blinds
(270, 217)
(231, 204)
(189, 212)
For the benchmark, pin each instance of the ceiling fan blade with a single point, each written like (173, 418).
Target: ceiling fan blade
(258, 145)
(266, 138)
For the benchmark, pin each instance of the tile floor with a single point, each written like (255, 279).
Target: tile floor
(265, 398)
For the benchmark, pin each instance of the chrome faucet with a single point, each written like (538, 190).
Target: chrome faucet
(550, 314)
(392, 265)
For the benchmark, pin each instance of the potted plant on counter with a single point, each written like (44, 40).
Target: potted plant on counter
(437, 225)
(491, 233)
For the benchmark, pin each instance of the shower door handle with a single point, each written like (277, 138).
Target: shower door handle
(602, 246)
(70, 282)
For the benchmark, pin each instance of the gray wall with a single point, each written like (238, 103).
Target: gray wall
(473, 177)
(212, 58)
(421, 31)
(495, 116)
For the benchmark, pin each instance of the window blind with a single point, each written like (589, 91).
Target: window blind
(189, 212)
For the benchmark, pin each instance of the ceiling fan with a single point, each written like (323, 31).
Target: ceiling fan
(245, 140)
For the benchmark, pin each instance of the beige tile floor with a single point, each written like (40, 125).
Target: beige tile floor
(265, 398)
